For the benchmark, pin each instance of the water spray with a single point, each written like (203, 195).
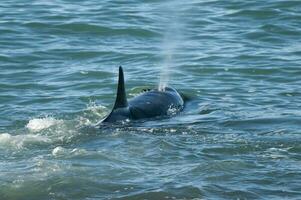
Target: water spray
(171, 40)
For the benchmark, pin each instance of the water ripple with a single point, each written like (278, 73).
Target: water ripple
(238, 62)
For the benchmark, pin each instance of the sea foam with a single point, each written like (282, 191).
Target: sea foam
(19, 141)
(63, 152)
(39, 124)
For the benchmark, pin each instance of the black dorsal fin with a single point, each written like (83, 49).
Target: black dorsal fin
(121, 100)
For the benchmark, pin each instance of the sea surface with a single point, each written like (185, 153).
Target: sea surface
(237, 61)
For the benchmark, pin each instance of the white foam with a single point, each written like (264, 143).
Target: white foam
(93, 113)
(84, 72)
(58, 151)
(61, 152)
(98, 110)
(19, 141)
(42, 123)
(172, 110)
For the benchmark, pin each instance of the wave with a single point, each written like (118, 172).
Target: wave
(21, 141)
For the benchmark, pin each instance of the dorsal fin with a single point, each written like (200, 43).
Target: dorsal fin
(121, 100)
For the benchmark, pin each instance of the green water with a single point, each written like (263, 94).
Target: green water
(239, 136)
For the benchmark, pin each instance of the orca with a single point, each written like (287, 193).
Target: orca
(150, 104)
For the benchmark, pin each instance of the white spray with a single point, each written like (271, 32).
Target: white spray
(172, 37)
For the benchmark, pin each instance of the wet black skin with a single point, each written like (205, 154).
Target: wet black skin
(150, 104)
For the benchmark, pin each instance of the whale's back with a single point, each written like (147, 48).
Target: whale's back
(150, 104)
(155, 103)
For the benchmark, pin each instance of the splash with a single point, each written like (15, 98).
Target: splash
(172, 110)
(92, 114)
(42, 123)
(59, 151)
(63, 152)
(19, 141)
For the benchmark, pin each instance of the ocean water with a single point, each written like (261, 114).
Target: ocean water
(239, 136)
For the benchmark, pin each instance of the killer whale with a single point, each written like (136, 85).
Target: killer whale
(150, 104)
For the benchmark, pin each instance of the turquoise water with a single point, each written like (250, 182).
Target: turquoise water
(239, 136)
